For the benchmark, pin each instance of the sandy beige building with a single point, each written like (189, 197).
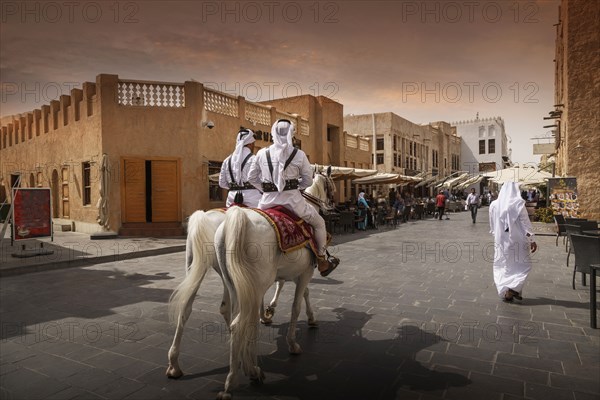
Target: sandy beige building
(577, 99)
(135, 157)
(406, 148)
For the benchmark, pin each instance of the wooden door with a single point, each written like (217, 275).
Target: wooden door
(135, 191)
(165, 191)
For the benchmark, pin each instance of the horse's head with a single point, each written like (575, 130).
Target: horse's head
(322, 189)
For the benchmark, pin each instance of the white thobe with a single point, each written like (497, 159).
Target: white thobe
(299, 168)
(512, 259)
(251, 196)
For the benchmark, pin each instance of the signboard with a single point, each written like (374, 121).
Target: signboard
(543, 148)
(32, 217)
(563, 196)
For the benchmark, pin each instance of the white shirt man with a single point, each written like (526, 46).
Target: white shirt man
(281, 171)
(235, 170)
(473, 204)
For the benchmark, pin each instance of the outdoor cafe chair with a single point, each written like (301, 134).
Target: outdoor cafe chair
(347, 221)
(571, 221)
(587, 253)
(560, 226)
(578, 227)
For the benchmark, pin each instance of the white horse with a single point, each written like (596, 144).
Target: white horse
(201, 256)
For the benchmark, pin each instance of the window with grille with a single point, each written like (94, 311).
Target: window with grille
(379, 144)
(379, 158)
(491, 146)
(482, 147)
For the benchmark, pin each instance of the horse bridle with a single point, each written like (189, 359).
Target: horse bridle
(323, 206)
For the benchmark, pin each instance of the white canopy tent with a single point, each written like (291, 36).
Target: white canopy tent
(471, 181)
(387, 178)
(454, 181)
(338, 173)
(524, 175)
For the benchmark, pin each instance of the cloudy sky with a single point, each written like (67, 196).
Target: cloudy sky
(423, 60)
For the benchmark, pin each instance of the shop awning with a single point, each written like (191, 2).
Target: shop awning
(524, 174)
(387, 178)
(455, 181)
(338, 173)
(427, 181)
(471, 181)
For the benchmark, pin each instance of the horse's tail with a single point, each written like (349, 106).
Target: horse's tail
(244, 328)
(197, 264)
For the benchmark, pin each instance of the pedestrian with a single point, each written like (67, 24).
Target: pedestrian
(281, 171)
(235, 169)
(513, 238)
(473, 204)
(440, 203)
(363, 206)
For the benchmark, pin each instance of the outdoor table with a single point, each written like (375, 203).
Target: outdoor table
(593, 269)
(592, 233)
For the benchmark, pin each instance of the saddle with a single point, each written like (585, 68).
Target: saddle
(292, 232)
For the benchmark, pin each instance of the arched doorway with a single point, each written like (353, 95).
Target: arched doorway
(55, 188)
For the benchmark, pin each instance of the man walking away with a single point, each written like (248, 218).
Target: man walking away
(513, 241)
(440, 202)
(473, 203)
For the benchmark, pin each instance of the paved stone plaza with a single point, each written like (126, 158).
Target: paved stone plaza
(412, 313)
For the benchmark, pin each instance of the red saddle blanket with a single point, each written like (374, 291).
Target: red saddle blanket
(292, 232)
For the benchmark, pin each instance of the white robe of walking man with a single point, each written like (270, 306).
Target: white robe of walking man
(513, 238)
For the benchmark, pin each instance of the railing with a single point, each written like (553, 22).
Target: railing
(220, 103)
(151, 94)
(258, 114)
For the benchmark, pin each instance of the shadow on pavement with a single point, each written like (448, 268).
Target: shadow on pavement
(88, 293)
(338, 362)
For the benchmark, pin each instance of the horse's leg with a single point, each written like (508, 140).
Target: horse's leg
(301, 286)
(312, 322)
(267, 315)
(174, 370)
(225, 308)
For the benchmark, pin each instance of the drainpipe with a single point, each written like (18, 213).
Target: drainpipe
(374, 144)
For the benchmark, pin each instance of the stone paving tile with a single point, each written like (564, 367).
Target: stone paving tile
(72, 393)
(541, 392)
(529, 362)
(462, 362)
(27, 384)
(522, 374)
(573, 383)
(585, 396)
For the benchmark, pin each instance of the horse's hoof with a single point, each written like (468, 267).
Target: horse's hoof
(269, 312)
(258, 379)
(265, 321)
(313, 323)
(224, 396)
(174, 373)
(295, 349)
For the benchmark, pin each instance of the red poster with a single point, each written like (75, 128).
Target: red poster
(32, 216)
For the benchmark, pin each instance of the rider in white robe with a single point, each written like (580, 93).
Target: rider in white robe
(243, 154)
(288, 181)
(513, 237)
